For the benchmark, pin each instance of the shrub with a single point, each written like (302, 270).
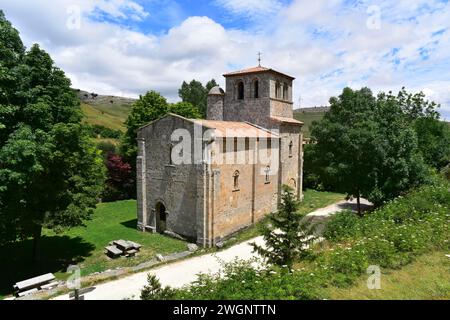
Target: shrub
(241, 280)
(390, 237)
(154, 291)
(404, 228)
(99, 131)
(446, 172)
(344, 265)
(119, 182)
(380, 251)
(343, 225)
(106, 147)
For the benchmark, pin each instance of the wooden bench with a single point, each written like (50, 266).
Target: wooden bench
(123, 245)
(131, 253)
(135, 245)
(32, 285)
(113, 251)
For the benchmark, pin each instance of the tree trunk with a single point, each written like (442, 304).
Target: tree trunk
(358, 201)
(36, 242)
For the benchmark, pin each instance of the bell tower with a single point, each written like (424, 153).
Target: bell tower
(256, 95)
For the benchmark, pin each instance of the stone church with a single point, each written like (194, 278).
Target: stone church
(210, 194)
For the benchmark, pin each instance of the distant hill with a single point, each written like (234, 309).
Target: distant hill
(308, 116)
(108, 111)
(320, 109)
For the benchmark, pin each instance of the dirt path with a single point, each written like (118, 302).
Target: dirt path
(183, 272)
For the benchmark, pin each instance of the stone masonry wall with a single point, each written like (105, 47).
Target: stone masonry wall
(175, 186)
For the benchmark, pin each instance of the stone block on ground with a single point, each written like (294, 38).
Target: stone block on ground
(192, 247)
(159, 257)
(220, 244)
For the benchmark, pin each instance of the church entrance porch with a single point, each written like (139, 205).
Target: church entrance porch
(161, 217)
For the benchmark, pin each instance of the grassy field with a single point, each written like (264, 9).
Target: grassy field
(312, 200)
(108, 118)
(84, 246)
(426, 278)
(307, 118)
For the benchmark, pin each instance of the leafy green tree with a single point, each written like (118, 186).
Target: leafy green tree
(433, 135)
(185, 109)
(148, 108)
(344, 149)
(50, 172)
(366, 146)
(196, 94)
(210, 84)
(434, 141)
(399, 163)
(287, 235)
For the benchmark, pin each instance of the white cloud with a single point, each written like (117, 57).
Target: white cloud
(324, 44)
(121, 9)
(250, 8)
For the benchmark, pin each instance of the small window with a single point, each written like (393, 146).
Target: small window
(290, 149)
(256, 89)
(236, 180)
(241, 90)
(224, 145)
(267, 171)
(285, 91)
(277, 90)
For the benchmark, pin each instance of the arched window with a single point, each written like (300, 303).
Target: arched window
(256, 89)
(170, 153)
(290, 148)
(240, 90)
(285, 91)
(236, 180)
(267, 171)
(277, 90)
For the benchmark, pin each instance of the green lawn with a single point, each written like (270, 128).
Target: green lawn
(312, 200)
(84, 246)
(426, 278)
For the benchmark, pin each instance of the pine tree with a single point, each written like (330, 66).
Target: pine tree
(288, 235)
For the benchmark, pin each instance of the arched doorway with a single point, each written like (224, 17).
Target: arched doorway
(161, 217)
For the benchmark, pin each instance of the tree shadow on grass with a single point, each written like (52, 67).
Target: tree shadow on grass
(56, 253)
(354, 207)
(130, 224)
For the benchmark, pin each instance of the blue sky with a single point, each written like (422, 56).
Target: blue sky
(127, 47)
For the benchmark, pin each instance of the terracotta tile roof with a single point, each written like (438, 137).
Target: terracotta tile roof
(235, 129)
(286, 120)
(257, 69)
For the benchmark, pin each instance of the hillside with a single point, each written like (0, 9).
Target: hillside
(307, 116)
(108, 111)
